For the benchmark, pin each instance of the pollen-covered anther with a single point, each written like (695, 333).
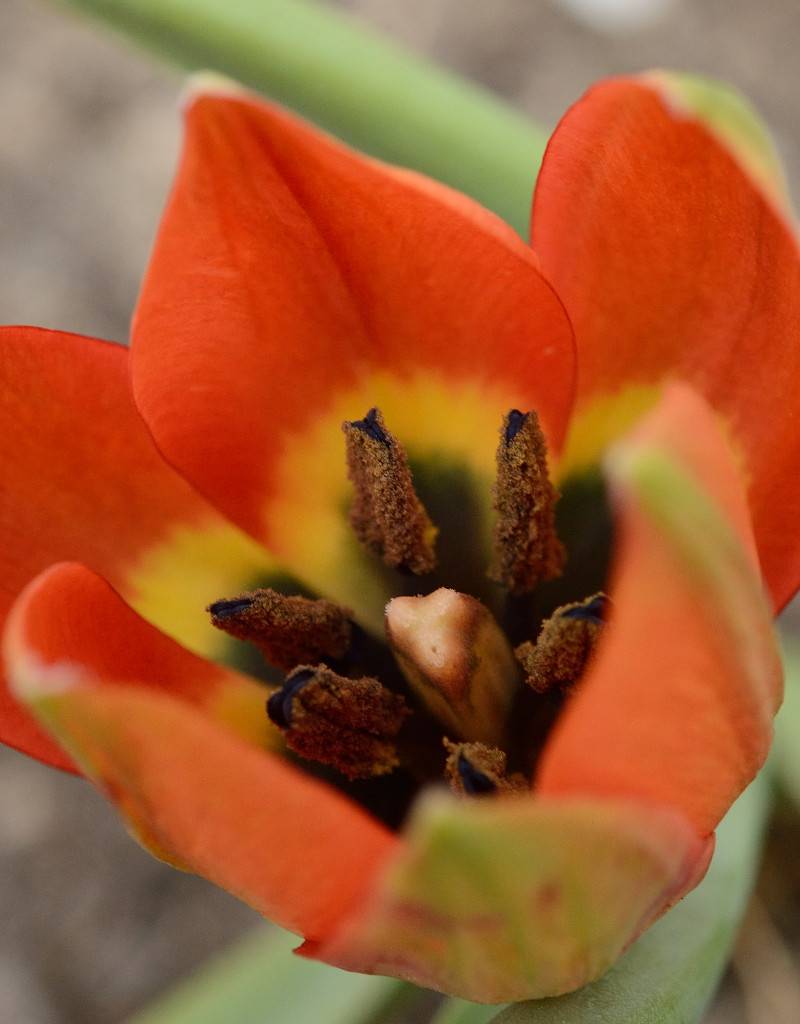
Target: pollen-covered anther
(287, 630)
(348, 724)
(475, 769)
(456, 659)
(386, 514)
(565, 644)
(526, 547)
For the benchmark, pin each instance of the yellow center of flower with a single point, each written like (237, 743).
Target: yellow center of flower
(444, 693)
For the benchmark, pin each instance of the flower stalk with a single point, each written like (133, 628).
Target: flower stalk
(345, 77)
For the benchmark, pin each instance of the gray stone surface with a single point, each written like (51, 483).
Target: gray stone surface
(91, 926)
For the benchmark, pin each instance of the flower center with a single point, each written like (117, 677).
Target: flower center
(448, 695)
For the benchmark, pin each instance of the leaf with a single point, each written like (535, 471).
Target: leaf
(459, 1011)
(261, 982)
(669, 975)
(786, 754)
(353, 82)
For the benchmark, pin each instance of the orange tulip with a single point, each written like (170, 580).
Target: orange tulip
(295, 284)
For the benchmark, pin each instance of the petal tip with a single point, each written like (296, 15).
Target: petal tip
(733, 120)
(31, 680)
(212, 84)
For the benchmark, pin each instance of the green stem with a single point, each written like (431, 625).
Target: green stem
(458, 1011)
(259, 981)
(353, 82)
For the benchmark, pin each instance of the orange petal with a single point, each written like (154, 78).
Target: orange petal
(290, 271)
(673, 262)
(70, 615)
(85, 482)
(518, 898)
(193, 792)
(677, 706)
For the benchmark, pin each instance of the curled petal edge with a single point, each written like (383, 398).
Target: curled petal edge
(195, 789)
(518, 898)
(689, 654)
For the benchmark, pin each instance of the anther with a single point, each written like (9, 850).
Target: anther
(287, 630)
(348, 724)
(386, 514)
(457, 660)
(565, 644)
(279, 704)
(593, 609)
(526, 547)
(474, 769)
(372, 426)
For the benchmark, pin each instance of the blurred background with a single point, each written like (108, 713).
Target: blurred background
(92, 927)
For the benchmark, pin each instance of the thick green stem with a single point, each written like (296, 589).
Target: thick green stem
(353, 82)
(259, 981)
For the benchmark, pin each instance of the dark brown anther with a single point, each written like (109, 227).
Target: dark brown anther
(287, 630)
(475, 769)
(349, 724)
(526, 547)
(564, 646)
(386, 515)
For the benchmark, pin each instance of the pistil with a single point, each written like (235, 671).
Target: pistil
(287, 630)
(349, 724)
(386, 514)
(456, 659)
(526, 547)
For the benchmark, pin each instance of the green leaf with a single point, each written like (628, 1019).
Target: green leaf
(669, 975)
(786, 753)
(355, 83)
(260, 981)
(459, 1011)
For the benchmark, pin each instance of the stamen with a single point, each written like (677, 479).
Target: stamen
(474, 769)
(526, 547)
(349, 724)
(386, 515)
(457, 659)
(288, 630)
(565, 644)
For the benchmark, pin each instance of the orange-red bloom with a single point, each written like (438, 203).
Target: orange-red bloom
(294, 284)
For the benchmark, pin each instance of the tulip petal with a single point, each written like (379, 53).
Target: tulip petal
(670, 974)
(673, 261)
(677, 706)
(68, 615)
(518, 898)
(736, 124)
(296, 283)
(193, 792)
(84, 481)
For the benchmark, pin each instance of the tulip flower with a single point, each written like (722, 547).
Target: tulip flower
(526, 673)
